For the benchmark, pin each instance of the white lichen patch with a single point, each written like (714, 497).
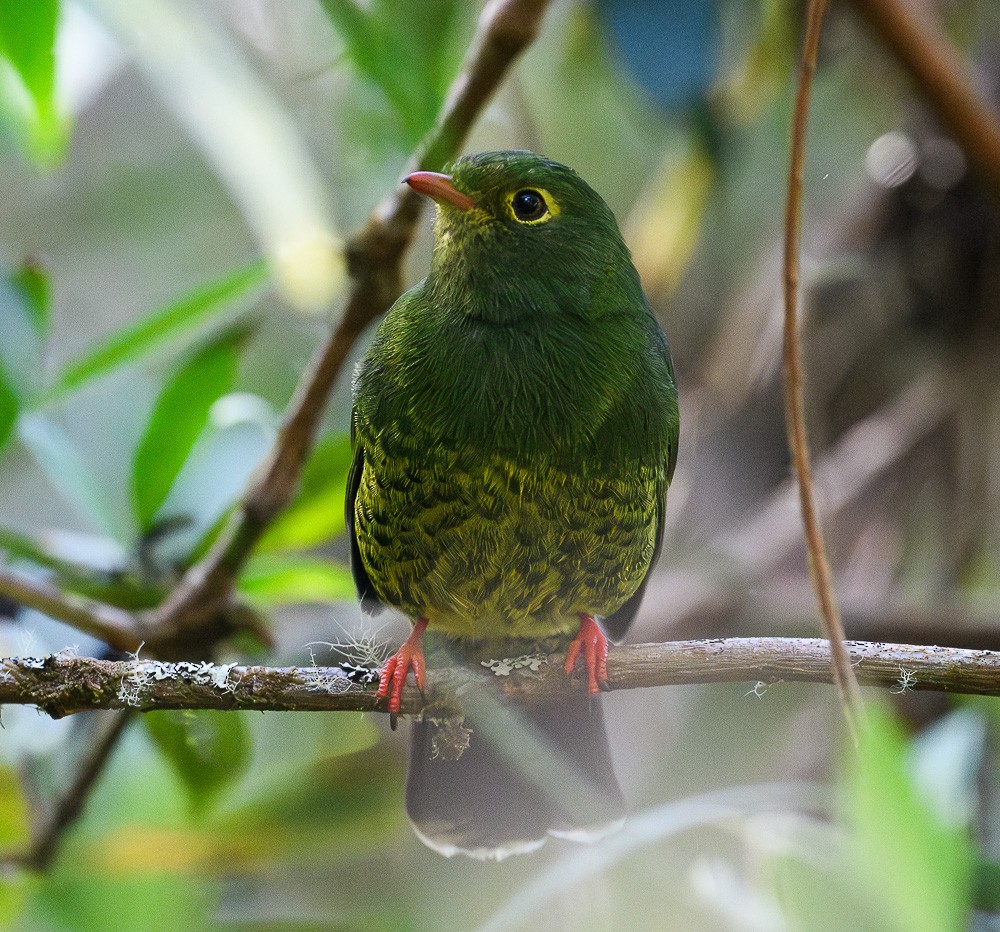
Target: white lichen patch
(905, 683)
(220, 676)
(758, 690)
(141, 674)
(325, 679)
(368, 650)
(507, 665)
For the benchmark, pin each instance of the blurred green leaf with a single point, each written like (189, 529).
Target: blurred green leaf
(986, 890)
(9, 407)
(14, 889)
(60, 460)
(84, 899)
(32, 280)
(14, 820)
(27, 42)
(920, 866)
(24, 323)
(317, 514)
(409, 51)
(159, 329)
(20, 546)
(209, 750)
(178, 418)
(269, 580)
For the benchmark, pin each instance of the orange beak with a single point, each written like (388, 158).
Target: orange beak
(440, 188)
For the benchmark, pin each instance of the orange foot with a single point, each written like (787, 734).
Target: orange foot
(393, 676)
(594, 644)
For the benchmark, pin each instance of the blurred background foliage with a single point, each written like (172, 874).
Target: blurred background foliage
(152, 155)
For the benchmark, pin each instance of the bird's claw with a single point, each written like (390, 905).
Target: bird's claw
(393, 675)
(593, 644)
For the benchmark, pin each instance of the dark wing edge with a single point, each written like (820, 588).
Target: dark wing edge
(366, 591)
(618, 623)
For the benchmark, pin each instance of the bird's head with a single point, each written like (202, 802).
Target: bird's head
(518, 235)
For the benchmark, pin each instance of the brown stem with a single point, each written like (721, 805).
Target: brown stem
(68, 807)
(924, 50)
(115, 626)
(63, 685)
(798, 443)
(506, 28)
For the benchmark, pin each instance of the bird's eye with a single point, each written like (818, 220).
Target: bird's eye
(529, 205)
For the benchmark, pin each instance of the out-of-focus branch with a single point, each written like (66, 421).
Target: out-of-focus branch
(795, 419)
(67, 808)
(909, 30)
(115, 626)
(506, 28)
(63, 685)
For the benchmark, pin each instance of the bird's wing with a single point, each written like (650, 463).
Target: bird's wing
(366, 591)
(619, 622)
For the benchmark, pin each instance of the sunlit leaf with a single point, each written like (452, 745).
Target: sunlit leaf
(83, 898)
(162, 327)
(317, 514)
(27, 42)
(207, 749)
(919, 866)
(269, 580)
(178, 418)
(14, 821)
(14, 889)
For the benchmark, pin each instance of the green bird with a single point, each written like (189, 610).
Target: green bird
(515, 431)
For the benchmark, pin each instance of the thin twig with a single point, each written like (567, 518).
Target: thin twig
(506, 28)
(795, 424)
(924, 50)
(69, 806)
(115, 626)
(63, 685)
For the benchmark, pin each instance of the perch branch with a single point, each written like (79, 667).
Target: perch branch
(506, 28)
(916, 39)
(61, 685)
(795, 421)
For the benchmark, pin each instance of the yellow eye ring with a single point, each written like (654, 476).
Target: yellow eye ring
(532, 206)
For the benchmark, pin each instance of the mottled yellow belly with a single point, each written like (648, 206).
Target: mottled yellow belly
(485, 547)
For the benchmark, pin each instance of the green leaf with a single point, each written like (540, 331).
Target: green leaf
(162, 327)
(987, 886)
(14, 820)
(271, 580)
(61, 461)
(178, 418)
(317, 514)
(9, 407)
(32, 280)
(919, 866)
(208, 750)
(409, 51)
(27, 42)
(24, 316)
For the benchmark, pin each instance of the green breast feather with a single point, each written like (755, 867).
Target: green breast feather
(515, 421)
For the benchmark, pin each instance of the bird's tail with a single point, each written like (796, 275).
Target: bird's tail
(506, 777)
